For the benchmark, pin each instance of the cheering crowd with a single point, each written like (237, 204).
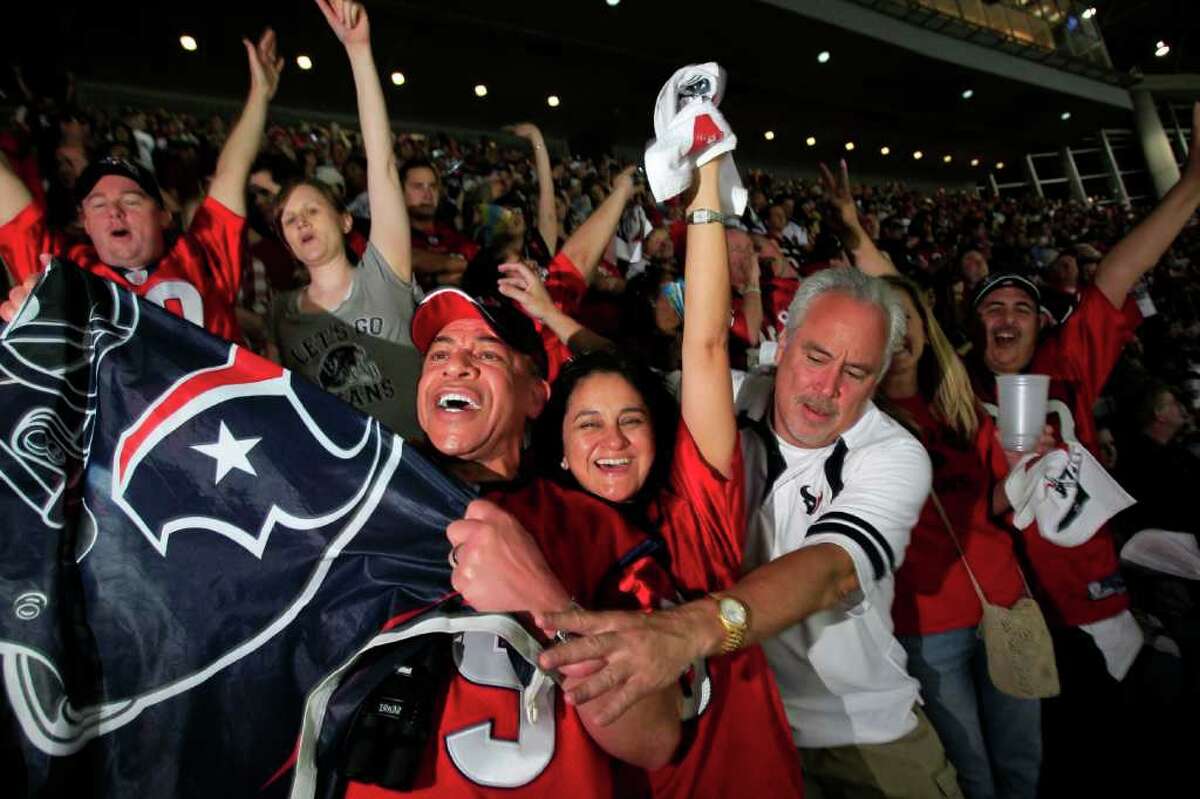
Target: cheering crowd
(775, 427)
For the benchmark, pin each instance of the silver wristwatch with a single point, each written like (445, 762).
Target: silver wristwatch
(702, 216)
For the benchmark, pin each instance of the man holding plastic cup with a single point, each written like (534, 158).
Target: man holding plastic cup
(1080, 588)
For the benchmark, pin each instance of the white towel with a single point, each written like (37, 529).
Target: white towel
(631, 235)
(689, 132)
(1067, 492)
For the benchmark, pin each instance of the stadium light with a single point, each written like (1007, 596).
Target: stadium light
(1089, 12)
(918, 155)
(811, 141)
(1064, 116)
(823, 57)
(885, 150)
(1163, 49)
(769, 135)
(974, 162)
(947, 159)
(968, 94)
(188, 43)
(397, 78)
(552, 101)
(613, 3)
(480, 90)
(304, 62)
(999, 165)
(849, 146)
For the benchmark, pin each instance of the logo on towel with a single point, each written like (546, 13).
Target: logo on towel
(704, 133)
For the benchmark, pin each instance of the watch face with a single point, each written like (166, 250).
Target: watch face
(733, 611)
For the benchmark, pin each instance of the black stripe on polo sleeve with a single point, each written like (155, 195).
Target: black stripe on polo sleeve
(855, 535)
(867, 528)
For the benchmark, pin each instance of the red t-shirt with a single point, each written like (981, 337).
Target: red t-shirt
(934, 594)
(486, 744)
(197, 278)
(741, 744)
(1080, 585)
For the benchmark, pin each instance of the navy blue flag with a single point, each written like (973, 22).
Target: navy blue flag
(192, 539)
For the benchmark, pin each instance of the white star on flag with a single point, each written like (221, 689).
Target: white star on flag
(229, 452)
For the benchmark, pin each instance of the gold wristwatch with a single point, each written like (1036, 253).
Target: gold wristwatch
(735, 618)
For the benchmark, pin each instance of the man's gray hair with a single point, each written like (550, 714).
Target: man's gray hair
(859, 286)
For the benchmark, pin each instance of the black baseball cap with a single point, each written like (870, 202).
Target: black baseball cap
(446, 305)
(1005, 280)
(117, 166)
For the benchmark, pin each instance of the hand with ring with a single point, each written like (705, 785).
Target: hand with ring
(498, 566)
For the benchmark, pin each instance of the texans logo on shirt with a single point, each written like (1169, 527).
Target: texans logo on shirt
(811, 503)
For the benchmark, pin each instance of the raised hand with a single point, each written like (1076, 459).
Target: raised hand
(522, 285)
(839, 193)
(266, 65)
(525, 130)
(498, 567)
(348, 20)
(624, 179)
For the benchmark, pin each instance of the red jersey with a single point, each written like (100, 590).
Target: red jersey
(197, 278)
(1080, 584)
(486, 742)
(934, 594)
(566, 287)
(444, 240)
(741, 744)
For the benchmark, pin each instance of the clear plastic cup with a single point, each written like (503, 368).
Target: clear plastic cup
(1022, 410)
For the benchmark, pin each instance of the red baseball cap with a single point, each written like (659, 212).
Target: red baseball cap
(446, 305)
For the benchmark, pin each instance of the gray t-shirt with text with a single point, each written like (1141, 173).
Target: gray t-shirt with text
(360, 351)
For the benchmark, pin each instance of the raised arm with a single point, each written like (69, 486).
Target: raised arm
(587, 244)
(706, 394)
(547, 219)
(1137, 253)
(14, 196)
(866, 254)
(390, 232)
(241, 148)
(522, 285)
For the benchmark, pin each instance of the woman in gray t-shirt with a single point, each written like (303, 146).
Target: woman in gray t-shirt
(348, 328)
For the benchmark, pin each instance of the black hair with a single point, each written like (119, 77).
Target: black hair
(664, 417)
(418, 163)
(283, 169)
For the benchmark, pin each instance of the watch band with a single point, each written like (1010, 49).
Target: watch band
(735, 633)
(704, 216)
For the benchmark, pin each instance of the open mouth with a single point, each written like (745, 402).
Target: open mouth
(119, 233)
(456, 402)
(613, 464)
(305, 238)
(1005, 337)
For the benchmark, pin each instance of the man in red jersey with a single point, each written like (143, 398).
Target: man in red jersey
(440, 253)
(121, 209)
(481, 383)
(1096, 638)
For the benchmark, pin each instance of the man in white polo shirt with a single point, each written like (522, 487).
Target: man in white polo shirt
(833, 489)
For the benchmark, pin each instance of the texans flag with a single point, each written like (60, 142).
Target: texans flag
(192, 540)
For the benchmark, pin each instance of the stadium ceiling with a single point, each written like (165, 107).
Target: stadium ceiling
(606, 64)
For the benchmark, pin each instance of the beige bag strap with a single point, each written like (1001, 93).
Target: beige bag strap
(937, 503)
